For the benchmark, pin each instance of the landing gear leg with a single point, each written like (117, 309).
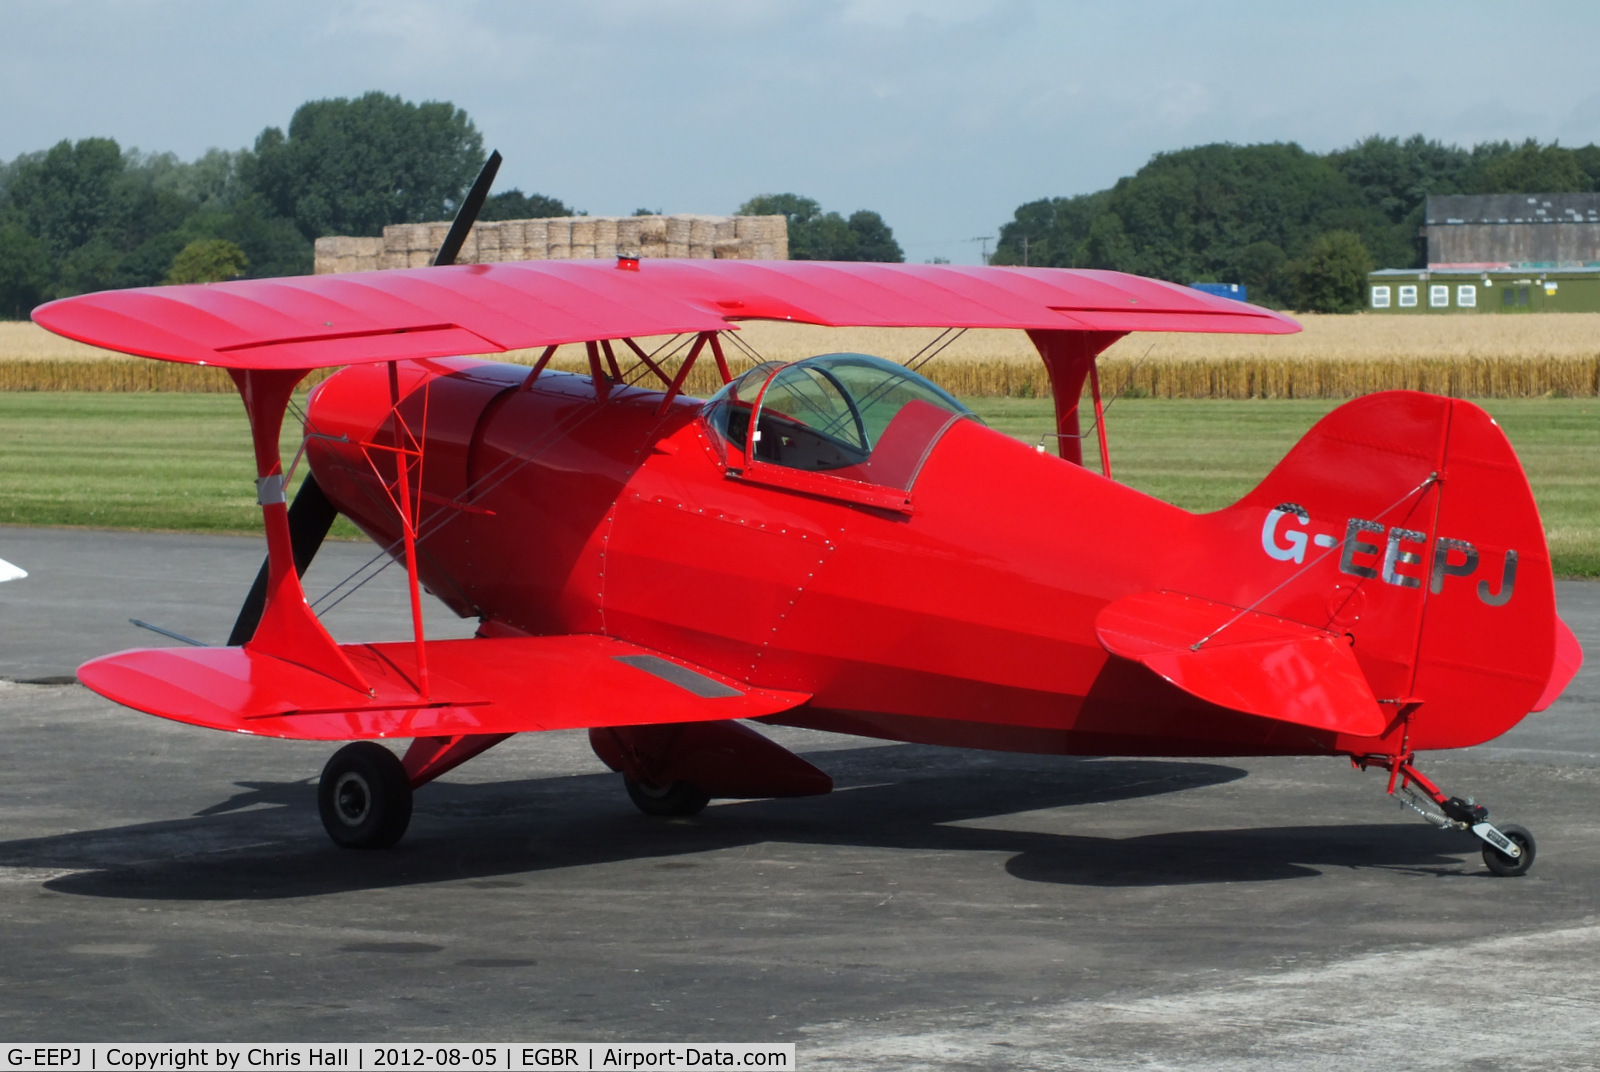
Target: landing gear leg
(1507, 850)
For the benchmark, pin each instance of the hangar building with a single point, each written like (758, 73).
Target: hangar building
(1500, 253)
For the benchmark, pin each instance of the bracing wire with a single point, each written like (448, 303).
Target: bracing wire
(1126, 384)
(1427, 481)
(912, 360)
(941, 349)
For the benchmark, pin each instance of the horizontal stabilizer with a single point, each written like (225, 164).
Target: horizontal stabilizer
(479, 686)
(1253, 663)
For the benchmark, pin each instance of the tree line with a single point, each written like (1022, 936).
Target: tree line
(1299, 229)
(90, 215)
(815, 235)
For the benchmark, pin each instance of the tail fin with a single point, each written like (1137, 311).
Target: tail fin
(1405, 522)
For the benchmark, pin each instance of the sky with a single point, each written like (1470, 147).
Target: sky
(941, 115)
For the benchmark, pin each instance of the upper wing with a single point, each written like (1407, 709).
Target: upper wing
(1254, 663)
(327, 320)
(481, 686)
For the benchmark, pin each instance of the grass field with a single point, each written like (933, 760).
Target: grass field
(182, 461)
(129, 461)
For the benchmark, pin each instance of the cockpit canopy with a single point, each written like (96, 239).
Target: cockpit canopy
(854, 416)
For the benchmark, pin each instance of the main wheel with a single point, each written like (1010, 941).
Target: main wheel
(1505, 866)
(677, 799)
(364, 797)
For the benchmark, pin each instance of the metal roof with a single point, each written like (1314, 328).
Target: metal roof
(1450, 209)
(1478, 273)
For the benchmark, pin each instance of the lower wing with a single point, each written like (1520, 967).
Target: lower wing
(479, 686)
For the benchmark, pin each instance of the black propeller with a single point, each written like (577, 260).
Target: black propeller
(311, 515)
(468, 213)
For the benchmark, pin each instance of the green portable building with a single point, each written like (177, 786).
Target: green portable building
(1416, 291)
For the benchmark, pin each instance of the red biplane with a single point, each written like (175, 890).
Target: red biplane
(835, 543)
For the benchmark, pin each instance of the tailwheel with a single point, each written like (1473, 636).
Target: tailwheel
(364, 797)
(1511, 866)
(674, 799)
(1507, 850)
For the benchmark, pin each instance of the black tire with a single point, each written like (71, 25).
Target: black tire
(1505, 866)
(364, 797)
(678, 799)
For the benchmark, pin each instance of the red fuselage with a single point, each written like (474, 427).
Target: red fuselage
(967, 620)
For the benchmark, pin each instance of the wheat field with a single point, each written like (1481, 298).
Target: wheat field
(1495, 356)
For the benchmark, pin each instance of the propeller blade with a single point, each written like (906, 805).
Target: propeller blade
(310, 517)
(468, 213)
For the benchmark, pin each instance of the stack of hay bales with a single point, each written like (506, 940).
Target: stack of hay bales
(343, 253)
(397, 253)
(536, 239)
(605, 238)
(560, 239)
(652, 236)
(678, 235)
(582, 239)
(414, 245)
(768, 236)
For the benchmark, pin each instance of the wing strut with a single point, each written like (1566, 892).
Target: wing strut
(311, 515)
(1099, 419)
(408, 519)
(1070, 358)
(688, 363)
(407, 448)
(288, 629)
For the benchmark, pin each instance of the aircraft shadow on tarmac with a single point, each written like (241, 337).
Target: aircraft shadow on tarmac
(1250, 855)
(266, 842)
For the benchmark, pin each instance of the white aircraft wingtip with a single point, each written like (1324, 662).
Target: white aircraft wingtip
(8, 572)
